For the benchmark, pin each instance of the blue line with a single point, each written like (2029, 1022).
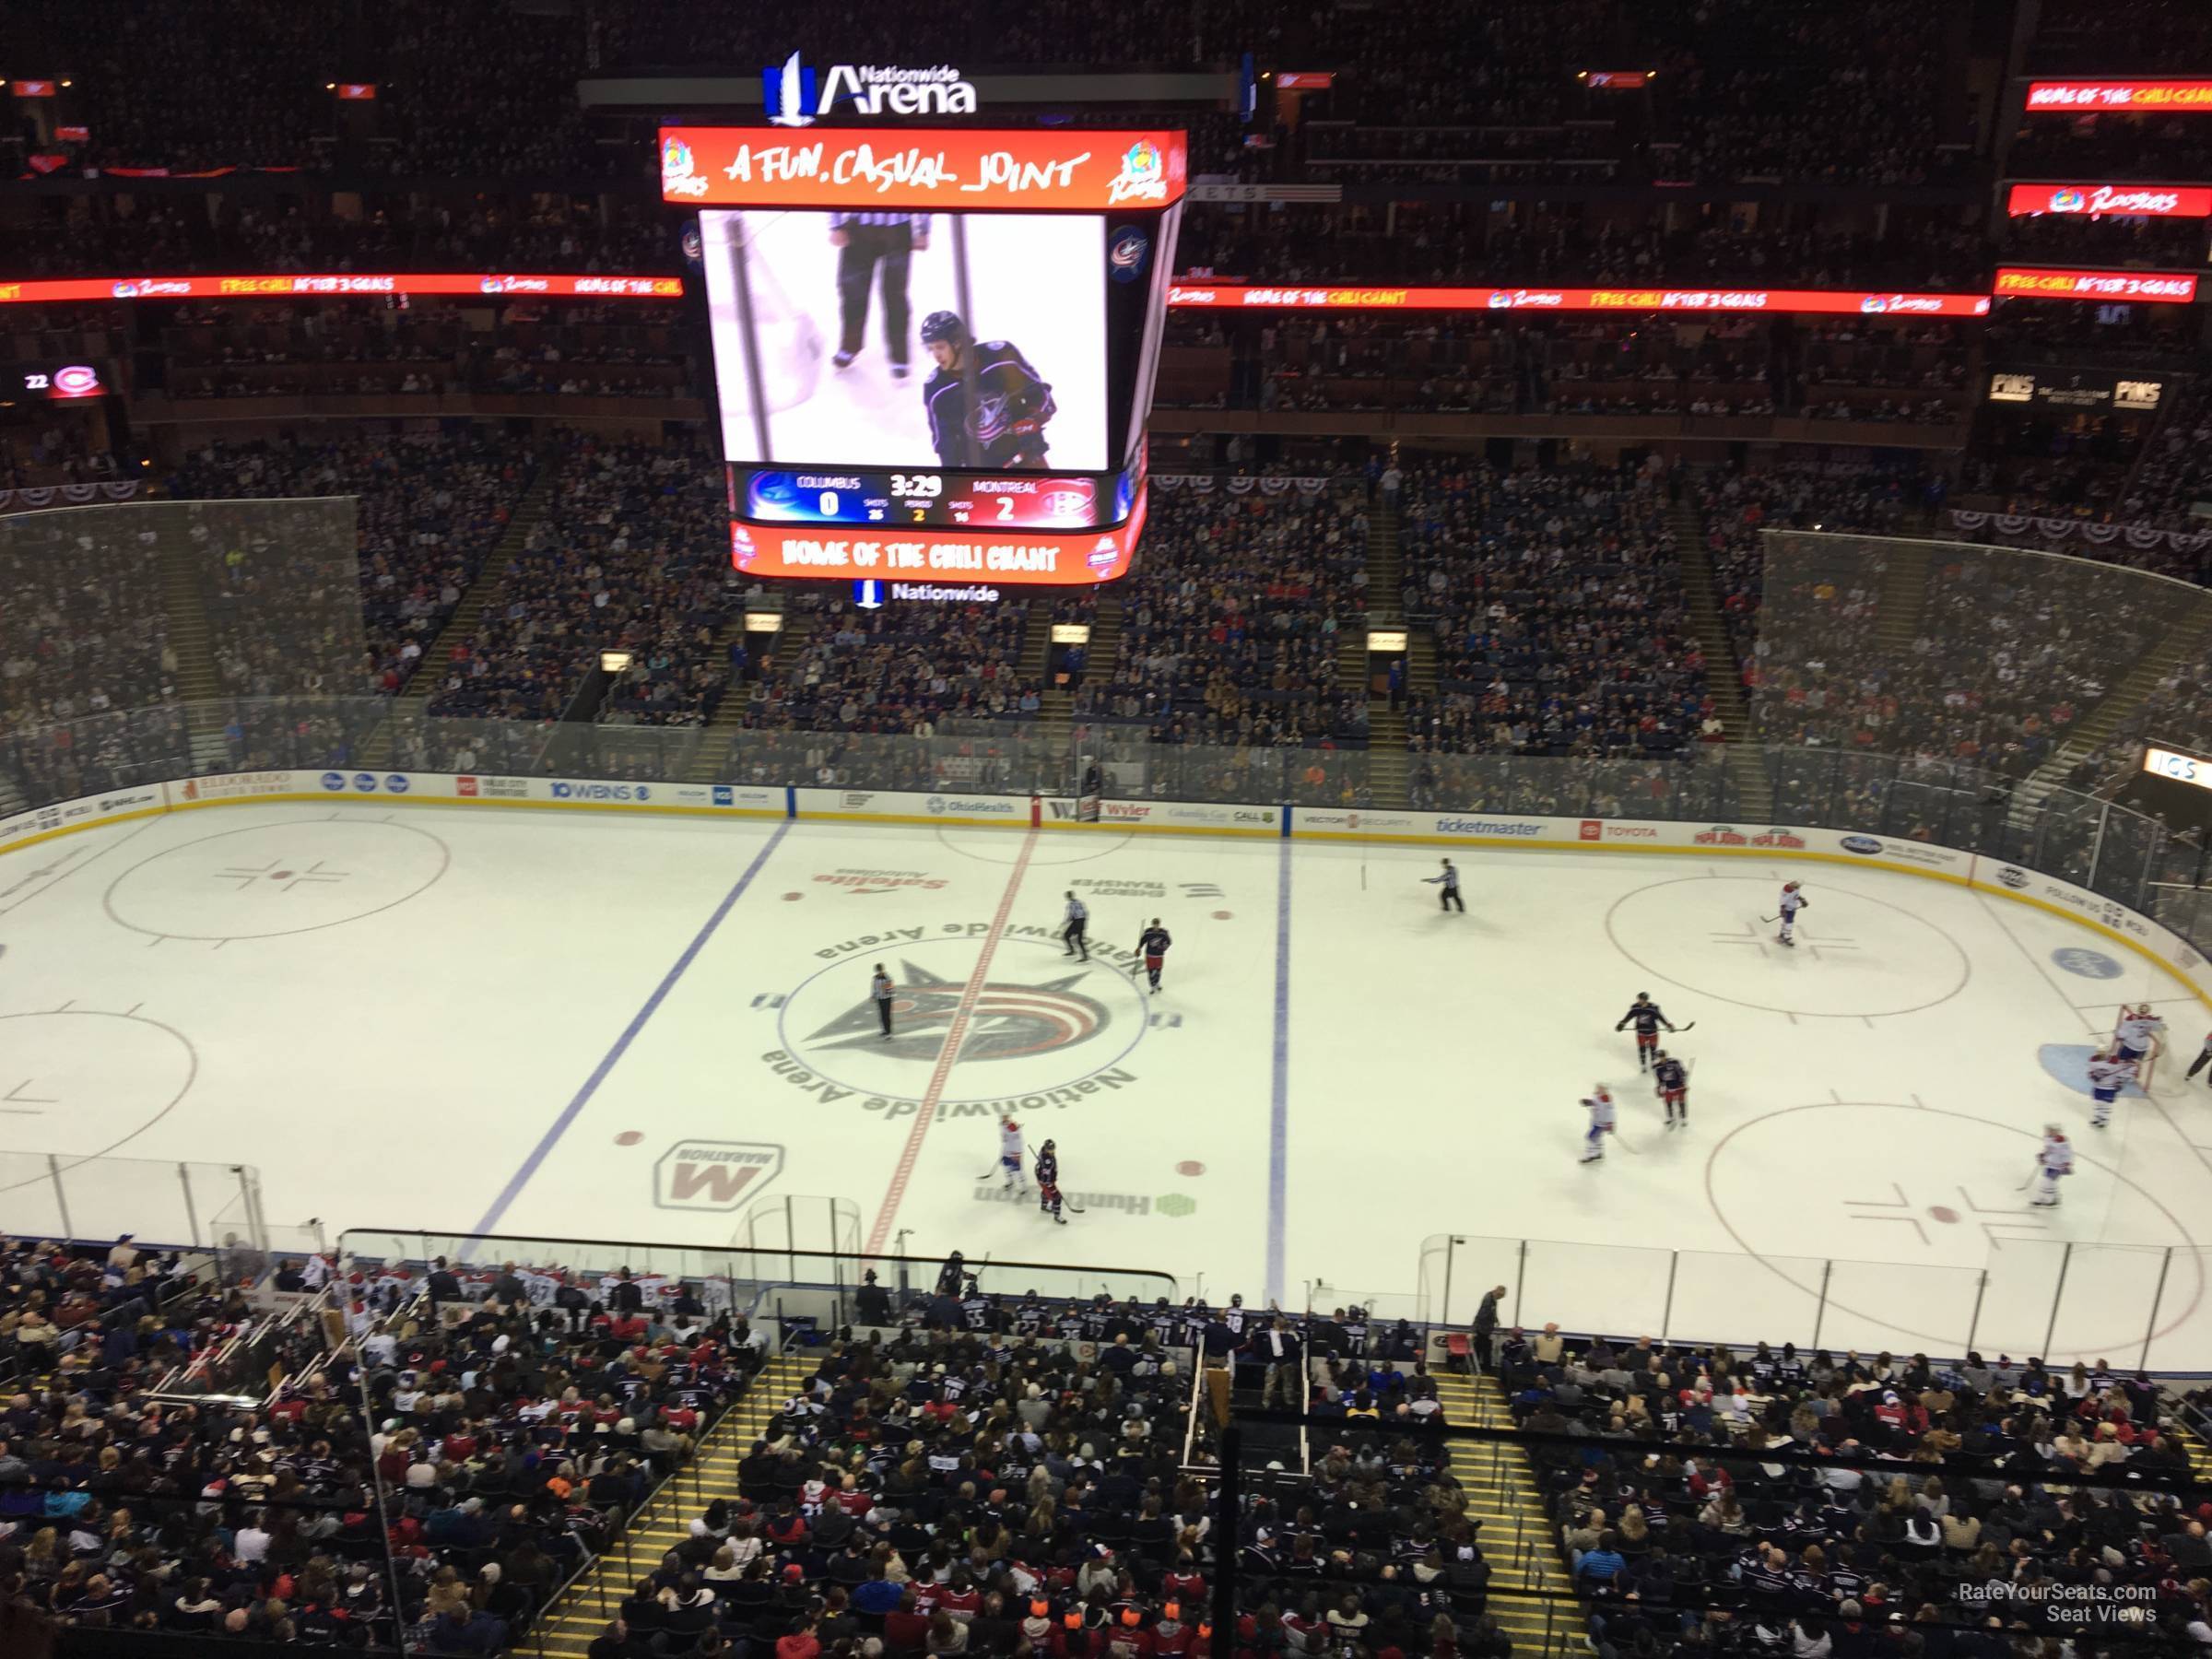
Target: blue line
(559, 1126)
(1279, 1115)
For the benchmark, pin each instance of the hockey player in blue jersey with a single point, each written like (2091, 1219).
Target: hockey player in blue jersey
(986, 405)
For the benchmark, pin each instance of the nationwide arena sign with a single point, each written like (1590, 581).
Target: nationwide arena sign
(2138, 201)
(493, 285)
(1813, 302)
(2146, 288)
(2165, 97)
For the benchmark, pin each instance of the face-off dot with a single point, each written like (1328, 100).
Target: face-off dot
(793, 897)
(1190, 1166)
(1223, 915)
(628, 1138)
(1943, 1213)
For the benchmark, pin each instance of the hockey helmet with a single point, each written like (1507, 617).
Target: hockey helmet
(943, 326)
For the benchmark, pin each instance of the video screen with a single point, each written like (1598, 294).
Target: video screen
(899, 340)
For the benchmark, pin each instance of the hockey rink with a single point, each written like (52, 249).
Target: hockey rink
(637, 1028)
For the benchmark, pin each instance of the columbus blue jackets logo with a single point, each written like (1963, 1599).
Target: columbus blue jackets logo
(1125, 255)
(1012, 1019)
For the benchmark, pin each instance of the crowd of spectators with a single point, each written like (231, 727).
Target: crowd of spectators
(1231, 620)
(515, 1419)
(1737, 507)
(1501, 364)
(84, 631)
(1714, 1501)
(487, 232)
(1798, 90)
(2063, 239)
(121, 1510)
(1469, 245)
(632, 556)
(429, 509)
(279, 348)
(989, 1475)
(1556, 601)
(903, 669)
(2008, 651)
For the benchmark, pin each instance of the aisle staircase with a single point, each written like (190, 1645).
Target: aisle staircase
(566, 1627)
(2184, 643)
(1386, 765)
(1723, 678)
(1054, 714)
(192, 642)
(1904, 596)
(710, 760)
(380, 747)
(2200, 1454)
(490, 586)
(1529, 1582)
(1059, 716)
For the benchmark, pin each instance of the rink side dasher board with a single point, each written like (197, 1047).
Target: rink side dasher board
(2107, 918)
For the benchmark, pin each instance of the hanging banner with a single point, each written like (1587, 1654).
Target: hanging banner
(66, 495)
(266, 287)
(2075, 97)
(2076, 389)
(1078, 168)
(2144, 287)
(1225, 296)
(2143, 537)
(2140, 201)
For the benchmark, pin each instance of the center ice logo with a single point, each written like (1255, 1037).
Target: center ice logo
(1011, 1020)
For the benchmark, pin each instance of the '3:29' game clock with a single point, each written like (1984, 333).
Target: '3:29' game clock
(1039, 501)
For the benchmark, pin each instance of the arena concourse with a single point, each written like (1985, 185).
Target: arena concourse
(1568, 1017)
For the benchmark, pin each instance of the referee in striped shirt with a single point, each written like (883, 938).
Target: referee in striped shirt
(874, 248)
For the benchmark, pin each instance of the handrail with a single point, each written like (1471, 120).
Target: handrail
(644, 1247)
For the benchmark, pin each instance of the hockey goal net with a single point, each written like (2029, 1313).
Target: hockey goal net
(2152, 1074)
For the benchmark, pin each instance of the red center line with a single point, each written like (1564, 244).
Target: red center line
(954, 1033)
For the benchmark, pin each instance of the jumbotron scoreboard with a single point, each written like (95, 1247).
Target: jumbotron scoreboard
(933, 348)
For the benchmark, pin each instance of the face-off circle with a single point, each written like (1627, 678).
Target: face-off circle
(1940, 1240)
(1855, 956)
(268, 880)
(82, 1083)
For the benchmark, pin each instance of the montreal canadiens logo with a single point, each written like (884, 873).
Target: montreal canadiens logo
(78, 380)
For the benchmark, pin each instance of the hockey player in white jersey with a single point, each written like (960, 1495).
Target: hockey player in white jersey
(2137, 1027)
(1603, 1119)
(2108, 1075)
(1012, 1161)
(1792, 901)
(2052, 1164)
